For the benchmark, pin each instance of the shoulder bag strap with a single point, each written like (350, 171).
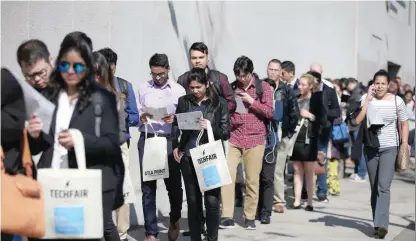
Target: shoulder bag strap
(399, 126)
(26, 155)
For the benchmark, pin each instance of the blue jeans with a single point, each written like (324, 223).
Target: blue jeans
(321, 179)
(361, 167)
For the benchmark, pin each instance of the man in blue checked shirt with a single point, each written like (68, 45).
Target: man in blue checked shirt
(124, 87)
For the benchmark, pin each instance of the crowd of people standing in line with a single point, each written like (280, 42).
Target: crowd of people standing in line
(302, 119)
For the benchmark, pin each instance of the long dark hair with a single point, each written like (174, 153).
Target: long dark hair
(199, 75)
(80, 42)
(103, 70)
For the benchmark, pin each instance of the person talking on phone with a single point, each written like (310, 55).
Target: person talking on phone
(204, 98)
(72, 90)
(159, 92)
(381, 146)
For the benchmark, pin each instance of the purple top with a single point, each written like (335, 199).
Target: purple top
(150, 95)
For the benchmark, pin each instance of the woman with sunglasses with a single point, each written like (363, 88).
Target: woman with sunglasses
(74, 92)
(214, 108)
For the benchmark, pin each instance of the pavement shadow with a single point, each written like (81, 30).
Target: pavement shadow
(333, 221)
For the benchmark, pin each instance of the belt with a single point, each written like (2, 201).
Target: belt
(150, 135)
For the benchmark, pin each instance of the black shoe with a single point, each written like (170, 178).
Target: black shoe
(382, 232)
(226, 223)
(124, 239)
(309, 208)
(323, 199)
(265, 220)
(296, 207)
(250, 225)
(186, 233)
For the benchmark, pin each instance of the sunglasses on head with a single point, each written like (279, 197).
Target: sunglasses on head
(65, 66)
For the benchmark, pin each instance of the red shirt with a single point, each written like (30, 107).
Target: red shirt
(249, 130)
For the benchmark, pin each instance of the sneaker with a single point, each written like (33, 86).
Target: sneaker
(323, 199)
(226, 223)
(250, 225)
(356, 178)
(265, 220)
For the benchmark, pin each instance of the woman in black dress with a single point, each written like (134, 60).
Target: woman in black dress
(305, 149)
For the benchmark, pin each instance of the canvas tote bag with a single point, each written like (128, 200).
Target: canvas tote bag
(155, 157)
(73, 198)
(210, 163)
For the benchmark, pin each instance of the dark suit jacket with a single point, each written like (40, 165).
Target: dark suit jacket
(13, 116)
(101, 152)
(332, 109)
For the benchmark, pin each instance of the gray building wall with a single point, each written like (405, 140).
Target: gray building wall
(348, 38)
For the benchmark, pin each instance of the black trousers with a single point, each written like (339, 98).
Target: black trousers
(266, 190)
(194, 200)
(110, 231)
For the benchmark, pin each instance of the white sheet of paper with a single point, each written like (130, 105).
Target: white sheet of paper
(37, 104)
(240, 106)
(157, 113)
(189, 120)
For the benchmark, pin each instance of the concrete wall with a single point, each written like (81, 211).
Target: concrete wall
(336, 34)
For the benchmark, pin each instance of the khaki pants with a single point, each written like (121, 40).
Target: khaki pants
(279, 177)
(253, 161)
(123, 213)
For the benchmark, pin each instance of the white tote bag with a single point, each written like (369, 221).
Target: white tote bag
(73, 198)
(292, 140)
(155, 157)
(210, 163)
(128, 189)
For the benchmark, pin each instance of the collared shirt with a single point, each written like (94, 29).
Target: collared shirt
(293, 83)
(248, 130)
(150, 95)
(63, 118)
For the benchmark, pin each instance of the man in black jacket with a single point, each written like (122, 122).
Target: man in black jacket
(331, 105)
(286, 95)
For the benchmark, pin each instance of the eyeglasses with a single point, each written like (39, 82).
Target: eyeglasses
(65, 66)
(160, 75)
(42, 74)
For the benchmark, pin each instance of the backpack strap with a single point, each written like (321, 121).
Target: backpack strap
(259, 89)
(97, 100)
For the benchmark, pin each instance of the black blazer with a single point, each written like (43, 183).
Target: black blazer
(13, 116)
(315, 107)
(218, 116)
(101, 152)
(332, 109)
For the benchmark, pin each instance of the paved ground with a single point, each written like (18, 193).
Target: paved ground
(346, 217)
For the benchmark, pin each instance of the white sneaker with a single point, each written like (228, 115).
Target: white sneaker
(356, 178)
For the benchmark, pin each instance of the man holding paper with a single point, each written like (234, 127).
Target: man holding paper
(160, 95)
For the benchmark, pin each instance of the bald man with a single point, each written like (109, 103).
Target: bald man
(318, 68)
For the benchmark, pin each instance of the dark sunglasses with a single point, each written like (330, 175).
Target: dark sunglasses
(64, 67)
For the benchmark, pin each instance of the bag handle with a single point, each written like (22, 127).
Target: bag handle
(399, 126)
(145, 128)
(79, 148)
(210, 134)
(27, 163)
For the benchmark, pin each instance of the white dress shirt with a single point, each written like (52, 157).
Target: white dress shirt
(63, 118)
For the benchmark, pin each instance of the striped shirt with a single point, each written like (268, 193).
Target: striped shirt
(386, 109)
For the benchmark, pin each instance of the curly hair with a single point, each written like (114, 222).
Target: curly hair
(80, 42)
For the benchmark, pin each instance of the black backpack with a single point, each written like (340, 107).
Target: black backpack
(124, 88)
